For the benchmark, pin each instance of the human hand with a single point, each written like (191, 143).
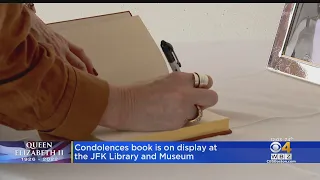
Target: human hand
(164, 104)
(64, 49)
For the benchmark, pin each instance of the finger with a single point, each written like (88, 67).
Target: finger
(203, 97)
(210, 82)
(83, 57)
(75, 61)
(182, 77)
(205, 81)
(192, 113)
(190, 79)
(31, 6)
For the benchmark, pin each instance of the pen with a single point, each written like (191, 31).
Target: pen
(171, 56)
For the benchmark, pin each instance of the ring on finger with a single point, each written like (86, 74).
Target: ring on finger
(200, 80)
(196, 80)
(199, 115)
(204, 81)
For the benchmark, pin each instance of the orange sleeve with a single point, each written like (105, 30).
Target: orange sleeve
(39, 91)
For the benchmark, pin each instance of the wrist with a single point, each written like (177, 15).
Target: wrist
(117, 111)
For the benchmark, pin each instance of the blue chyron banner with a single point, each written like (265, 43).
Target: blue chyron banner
(159, 152)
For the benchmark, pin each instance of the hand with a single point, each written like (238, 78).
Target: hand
(165, 104)
(65, 50)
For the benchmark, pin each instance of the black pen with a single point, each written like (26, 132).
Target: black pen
(171, 56)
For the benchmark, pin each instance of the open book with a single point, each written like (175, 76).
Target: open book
(124, 52)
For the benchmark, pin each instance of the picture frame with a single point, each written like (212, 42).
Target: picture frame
(293, 53)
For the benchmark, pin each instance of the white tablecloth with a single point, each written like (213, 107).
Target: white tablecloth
(261, 104)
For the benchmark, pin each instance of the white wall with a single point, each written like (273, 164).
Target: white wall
(180, 23)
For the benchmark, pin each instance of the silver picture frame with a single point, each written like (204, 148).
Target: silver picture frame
(284, 61)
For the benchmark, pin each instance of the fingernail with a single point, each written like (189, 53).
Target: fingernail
(95, 72)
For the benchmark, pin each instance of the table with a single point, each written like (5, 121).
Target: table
(261, 104)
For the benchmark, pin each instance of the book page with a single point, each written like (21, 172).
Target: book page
(122, 51)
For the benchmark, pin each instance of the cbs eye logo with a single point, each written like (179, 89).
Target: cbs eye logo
(276, 147)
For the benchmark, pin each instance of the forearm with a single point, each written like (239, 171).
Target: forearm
(37, 89)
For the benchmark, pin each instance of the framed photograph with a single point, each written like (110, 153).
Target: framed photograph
(296, 49)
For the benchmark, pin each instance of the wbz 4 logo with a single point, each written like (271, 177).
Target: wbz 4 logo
(280, 152)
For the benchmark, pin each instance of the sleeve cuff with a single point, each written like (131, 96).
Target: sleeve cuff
(90, 100)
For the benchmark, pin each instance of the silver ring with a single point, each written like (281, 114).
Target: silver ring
(196, 80)
(200, 81)
(204, 81)
(199, 116)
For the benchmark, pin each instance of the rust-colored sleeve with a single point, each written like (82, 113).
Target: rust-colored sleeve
(39, 91)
